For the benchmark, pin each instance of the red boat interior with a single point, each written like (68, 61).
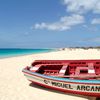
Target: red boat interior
(74, 69)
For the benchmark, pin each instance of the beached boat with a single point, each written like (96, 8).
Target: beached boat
(70, 76)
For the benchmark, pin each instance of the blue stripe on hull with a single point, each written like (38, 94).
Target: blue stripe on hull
(64, 79)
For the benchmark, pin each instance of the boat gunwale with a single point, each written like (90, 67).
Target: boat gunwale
(97, 82)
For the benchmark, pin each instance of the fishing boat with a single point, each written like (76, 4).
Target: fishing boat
(69, 76)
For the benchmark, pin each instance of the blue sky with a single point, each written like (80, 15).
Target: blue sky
(49, 23)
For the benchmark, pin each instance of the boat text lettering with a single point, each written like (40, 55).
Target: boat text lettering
(77, 87)
(88, 88)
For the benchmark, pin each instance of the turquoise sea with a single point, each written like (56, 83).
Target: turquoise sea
(4, 53)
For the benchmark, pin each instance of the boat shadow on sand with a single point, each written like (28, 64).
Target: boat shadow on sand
(51, 90)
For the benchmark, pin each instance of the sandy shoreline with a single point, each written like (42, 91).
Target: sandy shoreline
(14, 86)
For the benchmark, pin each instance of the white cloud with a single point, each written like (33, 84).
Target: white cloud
(82, 6)
(97, 7)
(77, 9)
(64, 23)
(40, 26)
(96, 21)
(96, 39)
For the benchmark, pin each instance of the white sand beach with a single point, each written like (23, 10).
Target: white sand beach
(14, 86)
